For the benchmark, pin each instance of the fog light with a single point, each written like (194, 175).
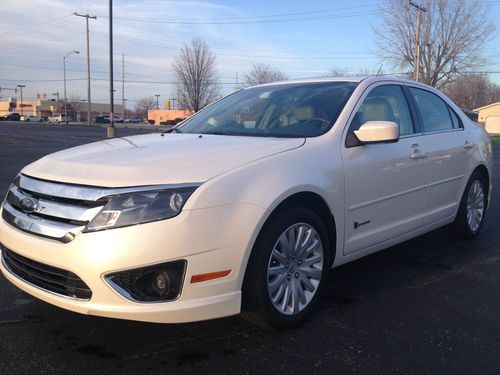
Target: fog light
(162, 282)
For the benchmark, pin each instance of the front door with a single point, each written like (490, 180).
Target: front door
(385, 183)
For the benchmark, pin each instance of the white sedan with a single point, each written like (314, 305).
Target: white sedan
(247, 205)
(30, 118)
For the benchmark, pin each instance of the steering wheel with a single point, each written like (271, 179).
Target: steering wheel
(318, 119)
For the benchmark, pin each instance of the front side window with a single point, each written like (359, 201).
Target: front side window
(285, 110)
(383, 103)
(434, 112)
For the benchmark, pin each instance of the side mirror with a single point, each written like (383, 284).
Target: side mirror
(378, 132)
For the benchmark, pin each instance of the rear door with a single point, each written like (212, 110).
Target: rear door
(445, 143)
(385, 183)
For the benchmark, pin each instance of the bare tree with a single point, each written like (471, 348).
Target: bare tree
(143, 105)
(195, 70)
(74, 104)
(473, 91)
(343, 72)
(262, 73)
(452, 36)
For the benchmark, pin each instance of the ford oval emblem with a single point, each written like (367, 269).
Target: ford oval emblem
(29, 205)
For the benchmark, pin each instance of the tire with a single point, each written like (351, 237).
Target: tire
(297, 272)
(473, 203)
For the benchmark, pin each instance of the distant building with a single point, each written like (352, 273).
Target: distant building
(156, 116)
(47, 107)
(489, 116)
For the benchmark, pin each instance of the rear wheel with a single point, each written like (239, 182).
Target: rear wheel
(287, 269)
(471, 211)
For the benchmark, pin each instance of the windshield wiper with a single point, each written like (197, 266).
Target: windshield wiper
(173, 130)
(220, 132)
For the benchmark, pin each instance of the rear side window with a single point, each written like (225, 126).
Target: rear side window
(434, 112)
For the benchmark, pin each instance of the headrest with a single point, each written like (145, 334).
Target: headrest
(303, 113)
(377, 109)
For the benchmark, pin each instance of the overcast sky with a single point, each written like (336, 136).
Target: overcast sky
(303, 39)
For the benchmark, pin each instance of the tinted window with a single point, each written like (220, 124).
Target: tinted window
(433, 110)
(385, 103)
(284, 110)
(455, 119)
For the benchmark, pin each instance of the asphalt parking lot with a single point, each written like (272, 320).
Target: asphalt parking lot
(429, 305)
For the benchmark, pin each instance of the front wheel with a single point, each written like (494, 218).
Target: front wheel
(287, 269)
(470, 215)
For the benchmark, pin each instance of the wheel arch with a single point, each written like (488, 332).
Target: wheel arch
(483, 170)
(308, 199)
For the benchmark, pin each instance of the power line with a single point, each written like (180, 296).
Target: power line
(238, 22)
(52, 26)
(230, 80)
(36, 26)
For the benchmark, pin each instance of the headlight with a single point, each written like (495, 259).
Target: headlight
(140, 207)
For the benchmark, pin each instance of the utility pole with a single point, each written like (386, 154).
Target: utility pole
(123, 87)
(89, 103)
(64, 69)
(416, 64)
(21, 105)
(157, 101)
(111, 129)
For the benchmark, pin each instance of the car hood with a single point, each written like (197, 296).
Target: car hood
(155, 159)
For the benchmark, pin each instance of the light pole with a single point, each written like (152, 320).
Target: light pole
(124, 100)
(64, 69)
(111, 132)
(21, 105)
(157, 101)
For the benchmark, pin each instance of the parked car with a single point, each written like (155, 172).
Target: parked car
(247, 205)
(133, 120)
(12, 117)
(57, 118)
(101, 119)
(105, 119)
(30, 118)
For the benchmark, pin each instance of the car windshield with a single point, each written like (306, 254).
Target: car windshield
(283, 110)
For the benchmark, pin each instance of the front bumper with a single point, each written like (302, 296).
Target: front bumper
(210, 240)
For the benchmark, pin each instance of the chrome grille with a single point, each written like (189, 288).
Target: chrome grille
(61, 212)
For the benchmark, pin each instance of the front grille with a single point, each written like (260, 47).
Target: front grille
(55, 210)
(52, 279)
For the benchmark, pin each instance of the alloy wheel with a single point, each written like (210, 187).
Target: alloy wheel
(295, 268)
(475, 205)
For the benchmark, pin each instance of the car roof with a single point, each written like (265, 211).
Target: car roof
(354, 79)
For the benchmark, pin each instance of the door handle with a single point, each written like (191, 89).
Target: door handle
(418, 155)
(468, 145)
